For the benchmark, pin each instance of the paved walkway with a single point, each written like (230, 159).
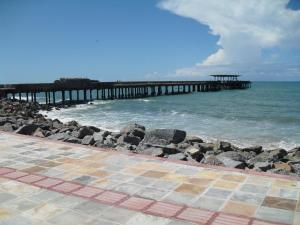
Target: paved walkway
(46, 182)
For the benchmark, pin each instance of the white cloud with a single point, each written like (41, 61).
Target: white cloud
(244, 28)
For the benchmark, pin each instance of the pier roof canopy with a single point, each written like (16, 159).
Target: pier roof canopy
(230, 77)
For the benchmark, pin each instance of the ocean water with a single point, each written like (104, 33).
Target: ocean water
(267, 114)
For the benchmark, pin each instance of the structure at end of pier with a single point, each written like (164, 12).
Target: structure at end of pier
(79, 90)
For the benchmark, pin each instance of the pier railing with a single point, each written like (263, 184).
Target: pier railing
(72, 91)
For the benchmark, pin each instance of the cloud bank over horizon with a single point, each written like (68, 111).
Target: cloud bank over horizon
(245, 30)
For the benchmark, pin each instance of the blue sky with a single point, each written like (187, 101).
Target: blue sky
(138, 40)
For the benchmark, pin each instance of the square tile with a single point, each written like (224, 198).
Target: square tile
(152, 193)
(15, 175)
(48, 182)
(66, 187)
(87, 192)
(84, 179)
(252, 188)
(69, 218)
(136, 203)
(179, 198)
(226, 184)
(164, 209)
(234, 178)
(275, 215)
(34, 169)
(217, 193)
(190, 188)
(110, 197)
(230, 219)
(144, 219)
(240, 208)
(208, 203)
(246, 197)
(195, 215)
(5, 170)
(30, 178)
(279, 203)
(154, 174)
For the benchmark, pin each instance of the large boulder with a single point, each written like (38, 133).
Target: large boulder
(228, 162)
(263, 166)
(178, 156)
(83, 131)
(193, 139)
(98, 137)
(135, 130)
(129, 139)
(164, 136)
(269, 156)
(213, 160)
(8, 127)
(59, 136)
(223, 146)
(205, 147)
(28, 129)
(256, 149)
(232, 155)
(88, 140)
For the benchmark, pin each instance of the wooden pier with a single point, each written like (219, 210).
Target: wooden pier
(78, 90)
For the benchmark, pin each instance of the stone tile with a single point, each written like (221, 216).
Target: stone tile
(21, 204)
(5, 171)
(44, 211)
(30, 178)
(45, 195)
(135, 203)
(260, 222)
(179, 198)
(252, 188)
(69, 202)
(154, 174)
(246, 197)
(34, 169)
(296, 218)
(17, 220)
(164, 209)
(275, 215)
(121, 177)
(196, 215)
(217, 193)
(259, 180)
(190, 188)
(188, 170)
(90, 208)
(240, 208)
(117, 215)
(144, 180)
(230, 219)
(66, 187)
(180, 222)
(199, 181)
(84, 179)
(208, 203)
(100, 173)
(4, 197)
(166, 185)
(128, 188)
(144, 219)
(87, 192)
(22, 190)
(288, 193)
(284, 183)
(48, 182)
(109, 197)
(69, 218)
(151, 193)
(279, 203)
(234, 178)
(226, 184)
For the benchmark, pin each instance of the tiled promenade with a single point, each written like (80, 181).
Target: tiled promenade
(46, 182)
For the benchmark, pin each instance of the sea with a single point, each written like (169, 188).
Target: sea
(267, 114)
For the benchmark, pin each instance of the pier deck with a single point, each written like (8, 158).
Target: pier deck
(71, 91)
(49, 182)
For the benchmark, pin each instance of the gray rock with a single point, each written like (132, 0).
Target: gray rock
(232, 155)
(95, 129)
(193, 139)
(73, 140)
(269, 156)
(39, 133)
(263, 166)
(3, 120)
(223, 145)
(213, 160)
(59, 136)
(28, 129)
(131, 127)
(98, 137)
(83, 131)
(204, 147)
(56, 124)
(178, 156)
(296, 168)
(8, 127)
(154, 151)
(228, 162)
(133, 140)
(256, 149)
(88, 140)
(164, 136)
(195, 153)
(184, 146)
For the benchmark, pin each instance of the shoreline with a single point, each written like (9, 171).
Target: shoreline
(25, 118)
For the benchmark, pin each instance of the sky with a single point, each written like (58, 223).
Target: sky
(108, 40)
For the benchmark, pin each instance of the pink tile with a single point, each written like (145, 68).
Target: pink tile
(196, 215)
(48, 182)
(136, 203)
(257, 222)
(87, 192)
(164, 209)
(15, 174)
(230, 219)
(5, 170)
(110, 197)
(30, 178)
(66, 187)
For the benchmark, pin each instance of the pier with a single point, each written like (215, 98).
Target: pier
(78, 90)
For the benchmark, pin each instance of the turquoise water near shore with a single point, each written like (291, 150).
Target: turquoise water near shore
(267, 114)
